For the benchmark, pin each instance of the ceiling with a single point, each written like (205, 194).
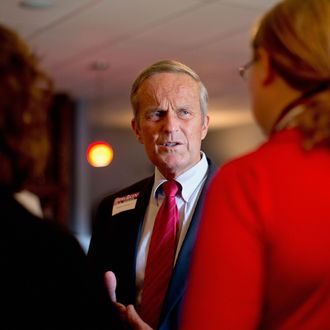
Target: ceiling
(94, 49)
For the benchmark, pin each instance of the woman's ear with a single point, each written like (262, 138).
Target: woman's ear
(267, 73)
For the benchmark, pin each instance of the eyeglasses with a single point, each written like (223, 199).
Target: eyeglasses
(243, 69)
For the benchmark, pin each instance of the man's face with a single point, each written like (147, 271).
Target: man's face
(170, 123)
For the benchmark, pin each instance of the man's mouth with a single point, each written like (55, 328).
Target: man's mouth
(170, 144)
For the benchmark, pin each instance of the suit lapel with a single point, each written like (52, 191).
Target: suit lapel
(141, 207)
(128, 231)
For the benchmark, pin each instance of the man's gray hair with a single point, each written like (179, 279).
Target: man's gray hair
(170, 66)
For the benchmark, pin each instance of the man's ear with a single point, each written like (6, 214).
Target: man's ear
(205, 126)
(267, 73)
(136, 130)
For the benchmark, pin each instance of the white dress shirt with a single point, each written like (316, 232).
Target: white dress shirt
(191, 182)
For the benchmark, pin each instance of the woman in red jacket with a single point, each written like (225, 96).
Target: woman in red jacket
(262, 260)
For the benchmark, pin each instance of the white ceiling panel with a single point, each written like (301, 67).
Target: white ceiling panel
(30, 22)
(210, 22)
(211, 36)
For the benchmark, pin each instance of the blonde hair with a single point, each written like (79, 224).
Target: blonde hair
(296, 33)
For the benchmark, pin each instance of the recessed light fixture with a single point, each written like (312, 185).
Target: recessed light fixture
(99, 65)
(36, 4)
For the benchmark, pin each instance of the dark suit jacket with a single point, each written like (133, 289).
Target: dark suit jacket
(44, 278)
(115, 241)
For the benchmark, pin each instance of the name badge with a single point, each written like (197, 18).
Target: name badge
(124, 203)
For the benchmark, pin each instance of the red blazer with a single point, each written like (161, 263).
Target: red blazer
(262, 259)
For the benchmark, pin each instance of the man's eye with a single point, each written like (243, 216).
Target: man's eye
(153, 115)
(183, 113)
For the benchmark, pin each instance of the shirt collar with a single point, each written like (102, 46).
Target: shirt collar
(189, 180)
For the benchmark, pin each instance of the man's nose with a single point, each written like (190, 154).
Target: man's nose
(171, 121)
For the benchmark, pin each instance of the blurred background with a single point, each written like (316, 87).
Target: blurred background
(94, 49)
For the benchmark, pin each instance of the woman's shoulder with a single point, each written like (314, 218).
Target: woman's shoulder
(269, 152)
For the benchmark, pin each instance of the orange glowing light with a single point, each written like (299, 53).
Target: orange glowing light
(99, 154)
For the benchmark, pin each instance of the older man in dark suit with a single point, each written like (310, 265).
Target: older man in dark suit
(170, 120)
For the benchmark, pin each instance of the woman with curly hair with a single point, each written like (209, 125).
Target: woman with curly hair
(44, 278)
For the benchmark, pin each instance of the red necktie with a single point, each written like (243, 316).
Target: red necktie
(161, 255)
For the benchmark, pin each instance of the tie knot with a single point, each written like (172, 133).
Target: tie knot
(170, 188)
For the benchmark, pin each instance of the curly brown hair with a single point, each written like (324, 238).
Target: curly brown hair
(25, 97)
